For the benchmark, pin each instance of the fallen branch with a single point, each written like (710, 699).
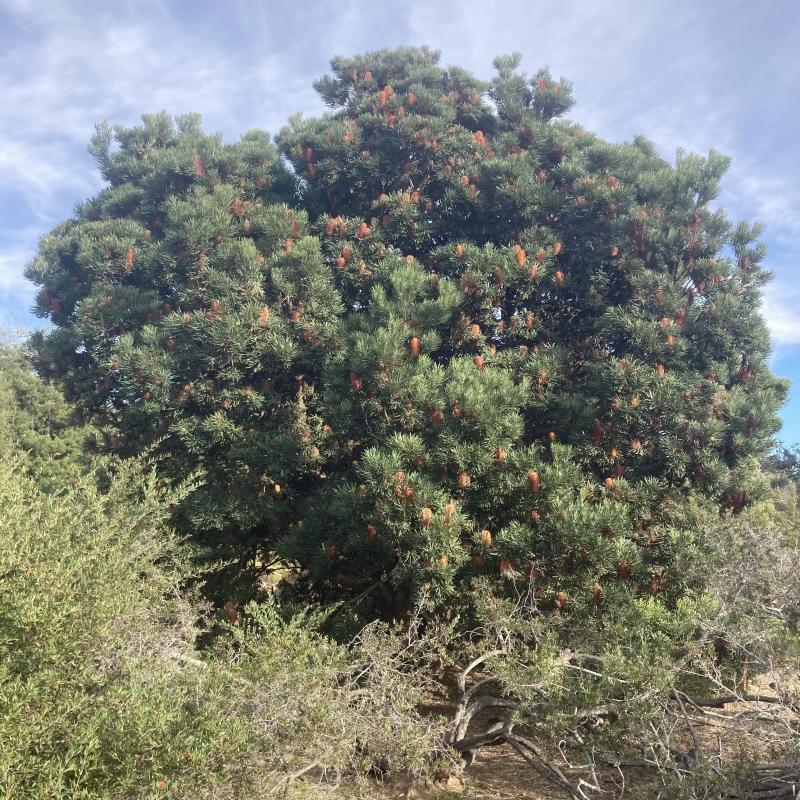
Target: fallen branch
(721, 702)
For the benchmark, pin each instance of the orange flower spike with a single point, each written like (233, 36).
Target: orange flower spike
(533, 482)
(363, 230)
(479, 362)
(486, 538)
(263, 320)
(556, 248)
(414, 346)
(233, 614)
(521, 257)
(427, 516)
(459, 251)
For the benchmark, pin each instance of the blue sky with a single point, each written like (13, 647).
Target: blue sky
(696, 74)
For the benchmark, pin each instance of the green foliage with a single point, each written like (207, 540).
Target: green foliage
(481, 341)
(783, 466)
(105, 696)
(36, 420)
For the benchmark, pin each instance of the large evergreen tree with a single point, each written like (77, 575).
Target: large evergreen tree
(464, 336)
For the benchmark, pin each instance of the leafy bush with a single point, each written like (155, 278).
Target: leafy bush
(105, 696)
(36, 420)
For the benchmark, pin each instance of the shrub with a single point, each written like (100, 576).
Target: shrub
(104, 694)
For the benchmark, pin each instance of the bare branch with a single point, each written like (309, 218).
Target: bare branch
(549, 771)
(290, 778)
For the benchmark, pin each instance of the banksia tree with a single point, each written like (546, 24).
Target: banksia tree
(470, 338)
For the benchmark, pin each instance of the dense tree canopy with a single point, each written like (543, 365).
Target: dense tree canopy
(461, 335)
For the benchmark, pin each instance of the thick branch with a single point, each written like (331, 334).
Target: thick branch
(491, 738)
(484, 702)
(721, 702)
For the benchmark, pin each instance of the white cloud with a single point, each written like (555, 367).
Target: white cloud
(676, 71)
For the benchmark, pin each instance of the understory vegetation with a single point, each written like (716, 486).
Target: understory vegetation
(430, 428)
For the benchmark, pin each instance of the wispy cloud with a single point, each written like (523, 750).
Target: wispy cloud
(721, 74)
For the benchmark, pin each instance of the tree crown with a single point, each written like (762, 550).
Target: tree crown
(462, 335)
